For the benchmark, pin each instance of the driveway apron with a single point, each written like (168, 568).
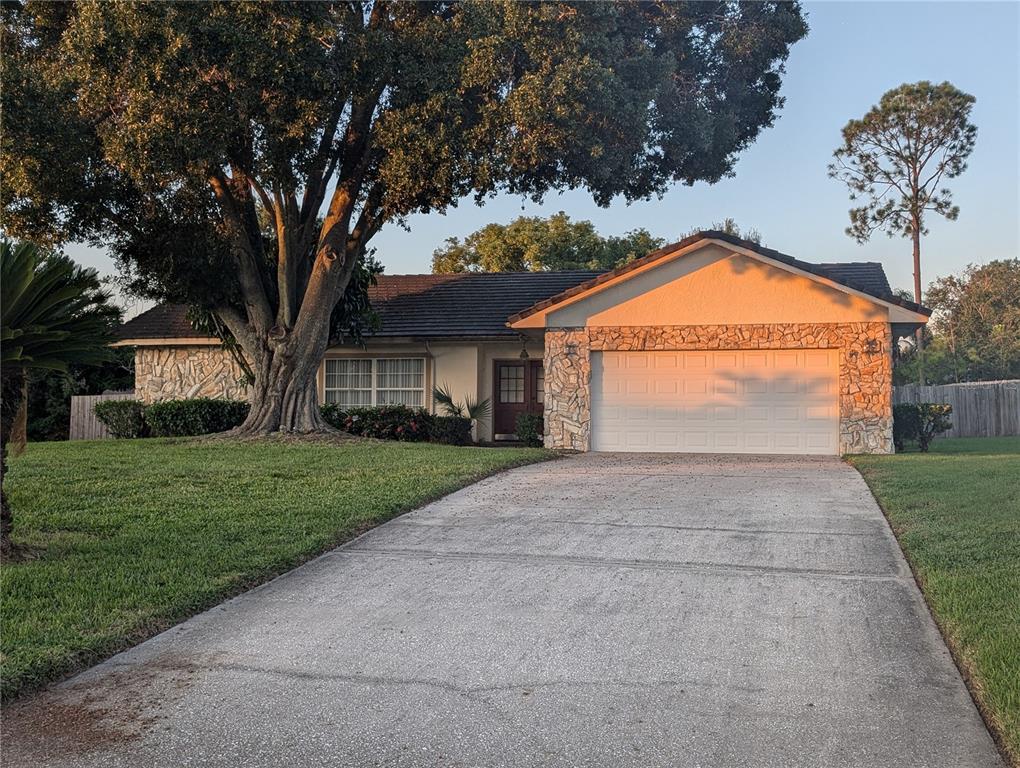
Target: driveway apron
(599, 610)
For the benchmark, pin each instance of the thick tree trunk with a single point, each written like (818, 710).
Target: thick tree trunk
(284, 403)
(11, 387)
(284, 397)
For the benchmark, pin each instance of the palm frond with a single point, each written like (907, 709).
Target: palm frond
(54, 311)
(445, 400)
(478, 411)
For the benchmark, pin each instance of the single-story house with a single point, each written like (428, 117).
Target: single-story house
(712, 344)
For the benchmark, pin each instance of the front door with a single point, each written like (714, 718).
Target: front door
(519, 387)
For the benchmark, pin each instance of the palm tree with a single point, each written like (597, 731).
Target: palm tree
(53, 312)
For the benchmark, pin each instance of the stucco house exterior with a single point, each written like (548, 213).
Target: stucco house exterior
(712, 344)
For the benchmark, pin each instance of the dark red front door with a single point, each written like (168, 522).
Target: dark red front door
(519, 387)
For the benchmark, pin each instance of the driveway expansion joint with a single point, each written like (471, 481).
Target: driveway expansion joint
(620, 563)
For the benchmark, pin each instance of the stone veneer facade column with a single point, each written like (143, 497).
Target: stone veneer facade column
(865, 371)
(167, 373)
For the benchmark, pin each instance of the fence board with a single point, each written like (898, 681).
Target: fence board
(84, 424)
(980, 408)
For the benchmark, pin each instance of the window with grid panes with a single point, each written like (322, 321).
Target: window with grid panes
(400, 381)
(353, 383)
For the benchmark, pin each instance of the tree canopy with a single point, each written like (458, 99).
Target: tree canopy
(163, 129)
(541, 244)
(531, 243)
(896, 158)
(975, 328)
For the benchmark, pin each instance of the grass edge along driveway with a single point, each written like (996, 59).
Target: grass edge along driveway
(956, 514)
(129, 537)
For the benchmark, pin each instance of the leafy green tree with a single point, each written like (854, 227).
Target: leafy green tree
(977, 318)
(896, 159)
(974, 334)
(163, 128)
(533, 244)
(50, 392)
(52, 313)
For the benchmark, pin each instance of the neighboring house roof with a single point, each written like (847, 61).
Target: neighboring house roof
(464, 304)
(164, 321)
(480, 305)
(864, 276)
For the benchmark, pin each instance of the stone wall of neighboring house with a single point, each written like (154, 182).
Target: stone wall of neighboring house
(167, 373)
(865, 371)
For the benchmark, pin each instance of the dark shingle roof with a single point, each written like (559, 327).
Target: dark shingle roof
(472, 304)
(463, 304)
(164, 321)
(866, 276)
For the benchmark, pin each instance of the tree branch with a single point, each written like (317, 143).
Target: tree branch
(249, 272)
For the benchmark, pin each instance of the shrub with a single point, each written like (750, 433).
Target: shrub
(530, 429)
(334, 415)
(904, 424)
(385, 422)
(123, 418)
(932, 420)
(194, 416)
(451, 430)
(920, 422)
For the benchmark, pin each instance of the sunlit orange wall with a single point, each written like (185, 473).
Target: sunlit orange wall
(710, 287)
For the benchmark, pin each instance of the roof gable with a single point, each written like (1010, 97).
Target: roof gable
(865, 279)
(713, 286)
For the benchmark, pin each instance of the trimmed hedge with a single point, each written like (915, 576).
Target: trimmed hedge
(123, 418)
(194, 416)
(451, 430)
(204, 415)
(530, 429)
(385, 422)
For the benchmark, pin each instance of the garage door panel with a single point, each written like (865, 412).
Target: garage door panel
(753, 401)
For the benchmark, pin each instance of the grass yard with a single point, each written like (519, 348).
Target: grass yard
(128, 537)
(956, 513)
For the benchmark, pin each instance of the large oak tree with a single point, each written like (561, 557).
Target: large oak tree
(164, 128)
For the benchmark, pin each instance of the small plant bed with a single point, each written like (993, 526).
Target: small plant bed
(128, 537)
(956, 513)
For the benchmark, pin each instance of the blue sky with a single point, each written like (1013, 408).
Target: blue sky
(852, 55)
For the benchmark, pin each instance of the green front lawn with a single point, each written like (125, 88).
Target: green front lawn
(956, 513)
(128, 537)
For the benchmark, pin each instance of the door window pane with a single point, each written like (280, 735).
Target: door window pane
(511, 384)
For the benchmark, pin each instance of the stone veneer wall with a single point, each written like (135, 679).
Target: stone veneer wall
(865, 371)
(166, 373)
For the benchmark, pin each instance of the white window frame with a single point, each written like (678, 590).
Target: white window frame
(375, 389)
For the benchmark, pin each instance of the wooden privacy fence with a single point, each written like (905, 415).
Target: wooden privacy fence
(84, 424)
(980, 408)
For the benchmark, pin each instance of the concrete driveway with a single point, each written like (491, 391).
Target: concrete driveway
(600, 610)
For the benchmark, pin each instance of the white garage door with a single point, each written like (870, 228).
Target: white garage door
(746, 401)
